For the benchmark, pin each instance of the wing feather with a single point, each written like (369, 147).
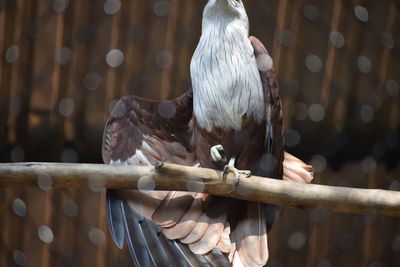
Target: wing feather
(115, 218)
(198, 231)
(172, 208)
(211, 236)
(187, 223)
(182, 226)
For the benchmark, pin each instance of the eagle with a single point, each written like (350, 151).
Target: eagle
(230, 120)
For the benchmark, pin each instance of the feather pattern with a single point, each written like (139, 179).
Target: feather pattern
(115, 218)
(244, 113)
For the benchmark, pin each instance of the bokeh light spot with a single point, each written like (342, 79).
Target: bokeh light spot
(313, 63)
(66, 107)
(337, 39)
(316, 112)
(292, 138)
(60, 5)
(20, 258)
(167, 110)
(367, 113)
(70, 208)
(361, 13)
(297, 240)
(368, 164)
(387, 40)
(286, 38)
(146, 183)
(319, 163)
(92, 80)
(44, 181)
(164, 59)
(12, 54)
(111, 6)
(392, 87)
(17, 154)
(119, 110)
(19, 207)
(311, 12)
(96, 184)
(63, 55)
(162, 8)
(396, 244)
(364, 64)
(114, 58)
(45, 234)
(97, 237)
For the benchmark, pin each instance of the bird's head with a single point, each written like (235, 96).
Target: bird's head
(218, 11)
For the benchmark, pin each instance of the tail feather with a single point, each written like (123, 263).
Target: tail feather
(137, 245)
(250, 236)
(175, 255)
(218, 258)
(115, 218)
(151, 235)
(194, 259)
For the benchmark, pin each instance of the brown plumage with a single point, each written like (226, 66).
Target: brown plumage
(137, 133)
(198, 229)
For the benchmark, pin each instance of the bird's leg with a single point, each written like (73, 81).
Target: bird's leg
(218, 155)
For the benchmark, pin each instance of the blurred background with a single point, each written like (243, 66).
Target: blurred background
(65, 63)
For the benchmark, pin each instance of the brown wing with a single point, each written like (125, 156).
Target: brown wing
(161, 228)
(140, 131)
(289, 167)
(177, 227)
(250, 235)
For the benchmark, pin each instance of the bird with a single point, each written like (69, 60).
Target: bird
(231, 119)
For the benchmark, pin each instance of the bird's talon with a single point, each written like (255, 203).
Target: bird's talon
(159, 164)
(218, 153)
(236, 173)
(245, 172)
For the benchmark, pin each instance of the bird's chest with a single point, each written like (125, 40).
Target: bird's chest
(226, 85)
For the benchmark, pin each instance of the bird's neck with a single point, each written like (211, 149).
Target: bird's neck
(224, 23)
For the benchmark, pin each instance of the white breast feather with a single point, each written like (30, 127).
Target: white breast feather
(225, 77)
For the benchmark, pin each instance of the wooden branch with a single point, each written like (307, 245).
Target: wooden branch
(182, 178)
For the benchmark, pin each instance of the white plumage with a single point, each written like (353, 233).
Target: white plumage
(225, 78)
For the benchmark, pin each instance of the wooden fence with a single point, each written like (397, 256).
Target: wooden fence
(64, 63)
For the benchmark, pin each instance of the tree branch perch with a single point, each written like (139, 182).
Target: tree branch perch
(183, 178)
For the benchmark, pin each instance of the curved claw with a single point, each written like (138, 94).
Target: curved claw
(218, 153)
(236, 173)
